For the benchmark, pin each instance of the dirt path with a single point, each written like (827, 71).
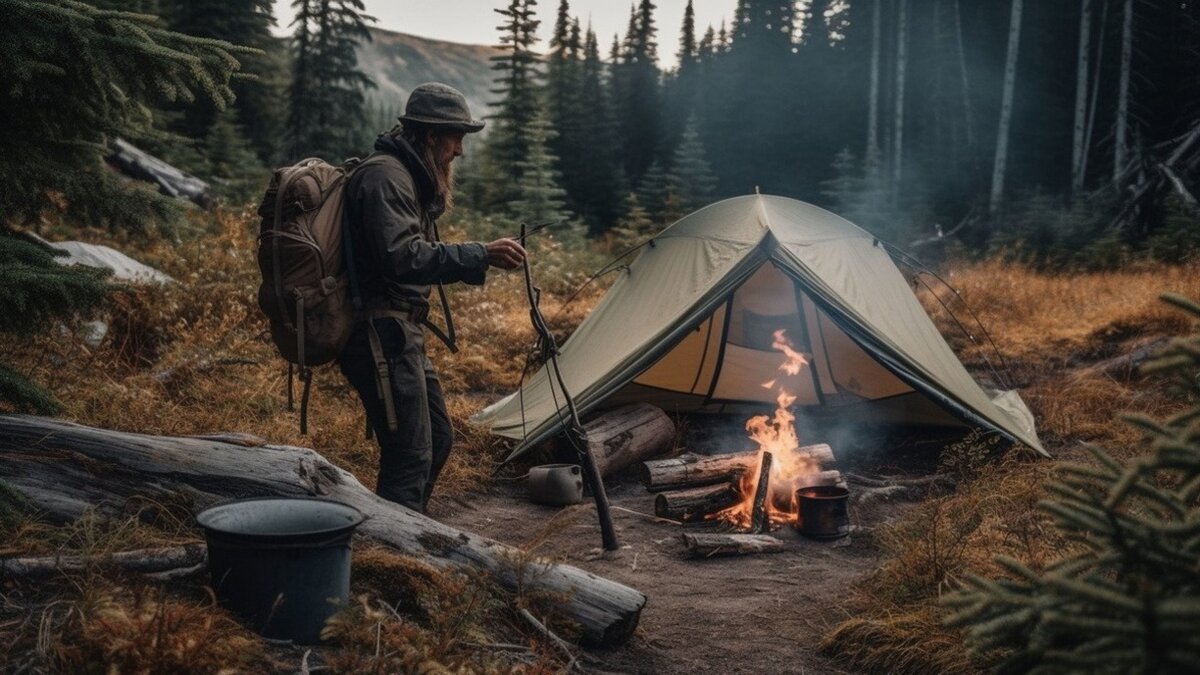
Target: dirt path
(752, 614)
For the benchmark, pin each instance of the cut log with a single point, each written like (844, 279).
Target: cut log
(704, 544)
(64, 469)
(759, 522)
(691, 470)
(622, 436)
(142, 560)
(693, 504)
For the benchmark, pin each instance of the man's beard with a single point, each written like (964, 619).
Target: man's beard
(443, 176)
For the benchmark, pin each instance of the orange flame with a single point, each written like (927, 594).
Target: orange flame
(790, 469)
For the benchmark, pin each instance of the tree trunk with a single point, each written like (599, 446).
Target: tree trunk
(64, 469)
(1097, 68)
(693, 504)
(898, 121)
(969, 128)
(1006, 102)
(872, 153)
(620, 437)
(1081, 94)
(1120, 142)
(690, 470)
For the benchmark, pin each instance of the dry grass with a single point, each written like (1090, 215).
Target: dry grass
(193, 357)
(1049, 328)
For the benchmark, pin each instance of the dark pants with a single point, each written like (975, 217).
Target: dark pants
(411, 457)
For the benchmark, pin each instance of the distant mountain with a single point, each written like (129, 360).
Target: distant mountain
(398, 62)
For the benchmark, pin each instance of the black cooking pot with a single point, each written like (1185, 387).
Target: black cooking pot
(823, 512)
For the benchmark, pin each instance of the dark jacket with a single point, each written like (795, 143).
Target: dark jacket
(392, 207)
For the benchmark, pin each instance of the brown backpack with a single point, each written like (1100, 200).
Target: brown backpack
(305, 289)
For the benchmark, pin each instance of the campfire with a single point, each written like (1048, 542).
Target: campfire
(767, 495)
(752, 491)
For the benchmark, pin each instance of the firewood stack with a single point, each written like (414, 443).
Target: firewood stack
(690, 487)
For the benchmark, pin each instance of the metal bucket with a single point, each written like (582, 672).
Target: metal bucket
(556, 484)
(281, 564)
(823, 512)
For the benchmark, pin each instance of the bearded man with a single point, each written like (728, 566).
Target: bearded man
(394, 257)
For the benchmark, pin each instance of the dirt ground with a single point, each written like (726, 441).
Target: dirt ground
(746, 614)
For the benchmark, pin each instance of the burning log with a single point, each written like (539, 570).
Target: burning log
(691, 470)
(632, 433)
(695, 503)
(63, 470)
(759, 523)
(709, 544)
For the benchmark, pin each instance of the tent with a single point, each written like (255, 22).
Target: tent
(689, 327)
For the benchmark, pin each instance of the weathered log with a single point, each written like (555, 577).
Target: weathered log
(694, 504)
(759, 522)
(691, 470)
(1124, 367)
(171, 181)
(632, 433)
(142, 560)
(64, 469)
(705, 544)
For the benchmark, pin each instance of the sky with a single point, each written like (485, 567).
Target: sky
(474, 22)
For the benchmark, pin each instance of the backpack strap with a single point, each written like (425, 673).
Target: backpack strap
(383, 380)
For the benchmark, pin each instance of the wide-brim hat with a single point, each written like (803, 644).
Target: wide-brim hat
(441, 106)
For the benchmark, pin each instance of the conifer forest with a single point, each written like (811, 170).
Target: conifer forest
(1029, 168)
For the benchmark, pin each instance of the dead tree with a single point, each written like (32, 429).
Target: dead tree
(63, 470)
(1000, 166)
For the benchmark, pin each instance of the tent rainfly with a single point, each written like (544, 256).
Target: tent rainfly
(689, 327)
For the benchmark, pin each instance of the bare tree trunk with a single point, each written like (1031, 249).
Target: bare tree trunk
(872, 154)
(1119, 145)
(901, 66)
(1010, 80)
(1081, 94)
(962, 69)
(1099, 66)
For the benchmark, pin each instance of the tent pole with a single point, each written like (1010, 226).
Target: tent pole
(575, 432)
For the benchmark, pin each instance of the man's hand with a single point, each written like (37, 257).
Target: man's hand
(506, 254)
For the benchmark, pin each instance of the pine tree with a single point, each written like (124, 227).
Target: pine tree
(38, 290)
(1126, 599)
(694, 179)
(595, 196)
(327, 98)
(539, 195)
(259, 99)
(638, 99)
(655, 190)
(634, 227)
(72, 77)
(508, 143)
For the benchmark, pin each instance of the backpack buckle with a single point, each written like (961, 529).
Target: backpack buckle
(328, 285)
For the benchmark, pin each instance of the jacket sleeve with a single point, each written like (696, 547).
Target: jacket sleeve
(390, 218)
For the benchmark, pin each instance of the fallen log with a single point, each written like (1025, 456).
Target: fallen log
(693, 504)
(622, 436)
(171, 181)
(65, 469)
(149, 560)
(704, 544)
(691, 470)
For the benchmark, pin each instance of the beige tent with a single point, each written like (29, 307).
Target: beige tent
(689, 327)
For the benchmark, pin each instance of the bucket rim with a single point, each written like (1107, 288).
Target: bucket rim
(356, 515)
(822, 492)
